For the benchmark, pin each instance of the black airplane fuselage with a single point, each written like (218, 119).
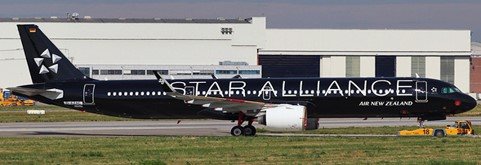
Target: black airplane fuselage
(57, 81)
(323, 97)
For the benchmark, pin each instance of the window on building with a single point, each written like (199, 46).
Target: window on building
(226, 71)
(104, 72)
(418, 66)
(353, 66)
(85, 71)
(111, 72)
(137, 72)
(447, 69)
(249, 72)
(203, 72)
(115, 72)
(162, 72)
(233, 63)
(181, 72)
(95, 72)
(226, 31)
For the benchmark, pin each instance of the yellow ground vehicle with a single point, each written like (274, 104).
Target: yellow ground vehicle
(27, 102)
(11, 100)
(462, 127)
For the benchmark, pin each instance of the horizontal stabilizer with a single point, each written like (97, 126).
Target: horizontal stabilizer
(52, 94)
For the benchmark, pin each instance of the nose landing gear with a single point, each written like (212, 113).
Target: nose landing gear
(248, 130)
(421, 122)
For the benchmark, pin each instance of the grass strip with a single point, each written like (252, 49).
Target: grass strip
(243, 150)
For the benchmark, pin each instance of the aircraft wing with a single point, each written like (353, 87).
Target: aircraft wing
(220, 104)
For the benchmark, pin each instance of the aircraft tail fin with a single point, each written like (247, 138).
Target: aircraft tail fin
(45, 61)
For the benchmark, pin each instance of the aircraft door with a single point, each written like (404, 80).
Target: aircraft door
(266, 95)
(421, 91)
(189, 90)
(89, 94)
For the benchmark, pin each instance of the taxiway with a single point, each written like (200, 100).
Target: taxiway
(185, 127)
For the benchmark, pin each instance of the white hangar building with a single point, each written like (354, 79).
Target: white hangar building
(194, 48)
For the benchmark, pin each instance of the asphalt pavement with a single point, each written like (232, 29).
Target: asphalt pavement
(186, 127)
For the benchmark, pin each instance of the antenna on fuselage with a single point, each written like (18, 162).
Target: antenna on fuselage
(417, 75)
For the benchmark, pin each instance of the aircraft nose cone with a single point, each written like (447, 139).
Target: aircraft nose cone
(468, 103)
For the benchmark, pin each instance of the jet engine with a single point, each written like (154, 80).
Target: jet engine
(286, 117)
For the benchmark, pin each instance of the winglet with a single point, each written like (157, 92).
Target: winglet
(165, 85)
(417, 76)
(213, 76)
(237, 76)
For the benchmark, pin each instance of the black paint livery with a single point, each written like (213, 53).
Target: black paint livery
(58, 82)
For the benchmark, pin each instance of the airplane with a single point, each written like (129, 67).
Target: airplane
(278, 103)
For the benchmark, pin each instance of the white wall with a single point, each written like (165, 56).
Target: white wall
(462, 73)
(325, 66)
(333, 66)
(136, 43)
(368, 66)
(338, 63)
(334, 45)
(433, 67)
(203, 44)
(327, 40)
(403, 66)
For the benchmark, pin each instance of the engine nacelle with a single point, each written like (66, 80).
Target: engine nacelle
(288, 117)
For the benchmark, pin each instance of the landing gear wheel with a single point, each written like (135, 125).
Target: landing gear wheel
(249, 130)
(237, 131)
(439, 133)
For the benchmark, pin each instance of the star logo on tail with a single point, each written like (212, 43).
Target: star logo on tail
(40, 61)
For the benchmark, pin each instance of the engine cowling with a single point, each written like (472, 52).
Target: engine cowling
(286, 117)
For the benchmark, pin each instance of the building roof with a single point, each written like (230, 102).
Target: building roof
(126, 20)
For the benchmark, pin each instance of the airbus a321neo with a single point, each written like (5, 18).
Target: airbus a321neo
(279, 103)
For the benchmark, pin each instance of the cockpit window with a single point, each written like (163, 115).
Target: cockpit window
(447, 90)
(457, 90)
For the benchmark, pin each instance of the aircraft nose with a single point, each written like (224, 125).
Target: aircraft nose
(467, 103)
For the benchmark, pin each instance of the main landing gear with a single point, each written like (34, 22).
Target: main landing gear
(247, 130)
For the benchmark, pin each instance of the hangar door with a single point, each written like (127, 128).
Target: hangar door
(385, 66)
(289, 65)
